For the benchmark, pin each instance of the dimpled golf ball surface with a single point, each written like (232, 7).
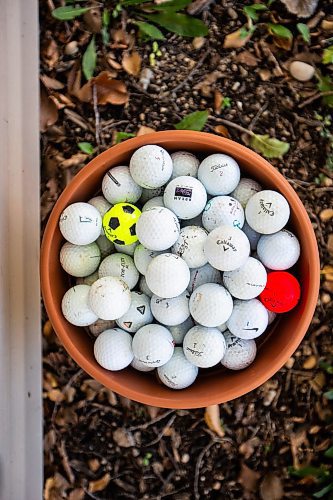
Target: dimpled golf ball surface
(118, 186)
(127, 249)
(148, 194)
(106, 246)
(219, 173)
(211, 304)
(222, 211)
(113, 349)
(109, 297)
(75, 306)
(80, 223)
(267, 212)
(240, 353)
(252, 235)
(245, 189)
(246, 282)
(184, 163)
(102, 205)
(204, 274)
(249, 319)
(190, 246)
(185, 196)
(170, 312)
(178, 332)
(141, 367)
(143, 287)
(157, 201)
(282, 292)
(80, 260)
(143, 257)
(204, 347)
(151, 166)
(167, 275)
(227, 248)
(138, 315)
(158, 228)
(121, 266)
(178, 372)
(153, 345)
(88, 280)
(279, 251)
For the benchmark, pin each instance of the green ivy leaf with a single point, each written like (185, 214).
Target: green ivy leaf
(318, 472)
(89, 60)
(321, 493)
(67, 13)
(304, 31)
(329, 394)
(328, 55)
(133, 2)
(329, 453)
(86, 147)
(325, 84)
(150, 30)
(269, 146)
(171, 5)
(179, 23)
(252, 10)
(121, 136)
(193, 121)
(279, 30)
(105, 26)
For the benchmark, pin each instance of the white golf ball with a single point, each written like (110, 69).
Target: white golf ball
(227, 248)
(157, 228)
(267, 212)
(246, 282)
(223, 327)
(151, 166)
(80, 223)
(102, 206)
(252, 236)
(109, 297)
(271, 316)
(223, 211)
(279, 251)
(113, 349)
(105, 245)
(240, 353)
(245, 189)
(249, 319)
(75, 306)
(184, 163)
(143, 257)
(185, 196)
(170, 312)
(190, 246)
(148, 194)
(80, 260)
(219, 173)
(178, 332)
(118, 186)
(204, 347)
(141, 367)
(178, 372)
(211, 304)
(121, 266)
(167, 275)
(100, 326)
(157, 201)
(88, 280)
(153, 345)
(127, 249)
(138, 315)
(143, 287)
(204, 274)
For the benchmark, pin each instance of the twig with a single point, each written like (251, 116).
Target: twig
(111, 124)
(77, 119)
(198, 6)
(97, 117)
(65, 462)
(65, 389)
(232, 125)
(198, 465)
(191, 73)
(256, 118)
(151, 422)
(315, 97)
(161, 434)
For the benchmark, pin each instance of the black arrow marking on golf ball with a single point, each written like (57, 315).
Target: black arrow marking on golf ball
(141, 309)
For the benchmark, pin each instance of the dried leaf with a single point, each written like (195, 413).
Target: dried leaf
(109, 90)
(327, 25)
(302, 8)
(271, 487)
(330, 244)
(48, 113)
(213, 420)
(94, 464)
(55, 395)
(143, 130)
(123, 438)
(248, 447)
(327, 271)
(74, 160)
(93, 19)
(218, 100)
(132, 63)
(269, 146)
(246, 57)
(100, 484)
(236, 40)
(50, 53)
(310, 363)
(248, 478)
(51, 83)
(77, 494)
(55, 487)
(222, 130)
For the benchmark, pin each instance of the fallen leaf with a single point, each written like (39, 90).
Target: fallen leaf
(77, 494)
(143, 130)
(326, 214)
(205, 85)
(327, 25)
(109, 90)
(132, 63)
(213, 420)
(94, 464)
(48, 113)
(50, 53)
(99, 484)
(235, 40)
(248, 478)
(310, 363)
(330, 244)
(55, 395)
(327, 271)
(265, 74)
(318, 382)
(271, 487)
(302, 8)
(51, 83)
(218, 100)
(55, 487)
(222, 130)
(246, 57)
(122, 39)
(74, 160)
(299, 444)
(193, 121)
(123, 438)
(47, 328)
(248, 447)
(93, 19)
(269, 146)
(89, 59)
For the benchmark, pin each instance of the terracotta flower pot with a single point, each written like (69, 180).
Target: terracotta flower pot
(215, 385)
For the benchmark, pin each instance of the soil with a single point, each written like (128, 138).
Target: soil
(102, 446)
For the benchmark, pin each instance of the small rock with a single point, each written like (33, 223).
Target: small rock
(198, 42)
(326, 214)
(216, 486)
(310, 363)
(301, 71)
(265, 74)
(235, 86)
(232, 13)
(71, 48)
(325, 298)
(290, 363)
(327, 25)
(185, 458)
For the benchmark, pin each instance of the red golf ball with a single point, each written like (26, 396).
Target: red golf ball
(282, 292)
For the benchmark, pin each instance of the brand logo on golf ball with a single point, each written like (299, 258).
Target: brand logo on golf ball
(226, 245)
(266, 207)
(183, 192)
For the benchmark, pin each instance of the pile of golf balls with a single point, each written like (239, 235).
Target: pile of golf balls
(178, 264)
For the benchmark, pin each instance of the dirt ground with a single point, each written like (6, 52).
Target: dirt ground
(100, 445)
